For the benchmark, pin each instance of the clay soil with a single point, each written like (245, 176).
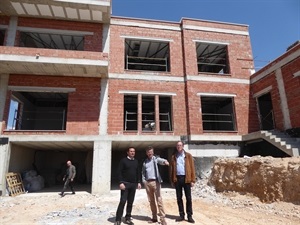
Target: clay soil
(83, 208)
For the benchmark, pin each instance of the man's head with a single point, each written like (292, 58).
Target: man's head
(150, 152)
(131, 152)
(179, 146)
(69, 163)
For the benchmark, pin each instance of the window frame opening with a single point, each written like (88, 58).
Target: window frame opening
(150, 114)
(218, 113)
(37, 111)
(212, 58)
(148, 55)
(52, 41)
(2, 36)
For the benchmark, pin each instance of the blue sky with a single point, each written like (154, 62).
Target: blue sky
(273, 24)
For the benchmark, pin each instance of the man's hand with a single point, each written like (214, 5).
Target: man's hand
(122, 186)
(139, 186)
(166, 163)
(192, 184)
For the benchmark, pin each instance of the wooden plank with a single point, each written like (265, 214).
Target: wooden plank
(15, 184)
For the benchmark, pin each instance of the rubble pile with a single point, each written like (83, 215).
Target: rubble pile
(270, 179)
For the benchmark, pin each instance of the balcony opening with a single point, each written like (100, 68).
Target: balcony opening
(51, 41)
(130, 112)
(218, 113)
(2, 35)
(147, 55)
(212, 58)
(37, 111)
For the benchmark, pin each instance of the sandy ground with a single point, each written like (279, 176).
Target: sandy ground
(84, 208)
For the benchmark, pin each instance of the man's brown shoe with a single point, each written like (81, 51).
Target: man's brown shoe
(163, 222)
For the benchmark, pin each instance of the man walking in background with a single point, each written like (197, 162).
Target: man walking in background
(129, 180)
(69, 178)
(183, 177)
(152, 180)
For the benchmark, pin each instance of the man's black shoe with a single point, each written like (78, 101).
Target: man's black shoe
(129, 221)
(117, 223)
(61, 194)
(191, 220)
(181, 218)
(153, 220)
(73, 193)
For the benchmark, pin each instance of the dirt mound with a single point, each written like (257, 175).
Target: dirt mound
(270, 179)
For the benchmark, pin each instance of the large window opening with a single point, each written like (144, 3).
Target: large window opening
(51, 41)
(218, 113)
(130, 112)
(148, 113)
(212, 58)
(38, 111)
(147, 55)
(148, 116)
(2, 35)
(165, 109)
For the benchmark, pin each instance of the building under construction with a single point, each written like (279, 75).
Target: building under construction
(77, 83)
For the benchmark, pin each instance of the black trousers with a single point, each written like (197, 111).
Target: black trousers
(179, 186)
(68, 183)
(127, 195)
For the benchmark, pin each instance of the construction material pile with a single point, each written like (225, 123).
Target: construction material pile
(270, 179)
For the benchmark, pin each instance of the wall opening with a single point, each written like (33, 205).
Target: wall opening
(218, 113)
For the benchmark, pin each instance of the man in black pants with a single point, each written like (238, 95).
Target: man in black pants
(129, 179)
(69, 178)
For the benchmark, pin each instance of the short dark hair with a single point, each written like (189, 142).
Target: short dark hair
(130, 148)
(149, 148)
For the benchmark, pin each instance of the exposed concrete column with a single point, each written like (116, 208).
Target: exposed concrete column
(103, 107)
(105, 38)
(101, 167)
(11, 32)
(4, 163)
(3, 90)
(283, 100)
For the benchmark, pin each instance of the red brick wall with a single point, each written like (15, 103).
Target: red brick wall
(241, 105)
(292, 89)
(239, 48)
(91, 42)
(83, 104)
(117, 45)
(116, 103)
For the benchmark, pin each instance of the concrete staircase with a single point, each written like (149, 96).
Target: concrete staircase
(284, 142)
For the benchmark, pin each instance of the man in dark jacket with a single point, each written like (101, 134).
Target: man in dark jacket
(69, 178)
(129, 179)
(183, 177)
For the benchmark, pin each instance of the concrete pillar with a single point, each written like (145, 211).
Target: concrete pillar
(3, 90)
(283, 100)
(4, 163)
(101, 167)
(105, 38)
(103, 107)
(11, 31)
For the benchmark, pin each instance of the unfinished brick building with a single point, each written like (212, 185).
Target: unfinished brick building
(80, 84)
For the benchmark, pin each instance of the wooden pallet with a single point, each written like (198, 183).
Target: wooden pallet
(15, 184)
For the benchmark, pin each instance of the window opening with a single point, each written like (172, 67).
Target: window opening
(165, 110)
(148, 113)
(212, 58)
(51, 41)
(38, 111)
(130, 112)
(147, 55)
(218, 113)
(2, 35)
